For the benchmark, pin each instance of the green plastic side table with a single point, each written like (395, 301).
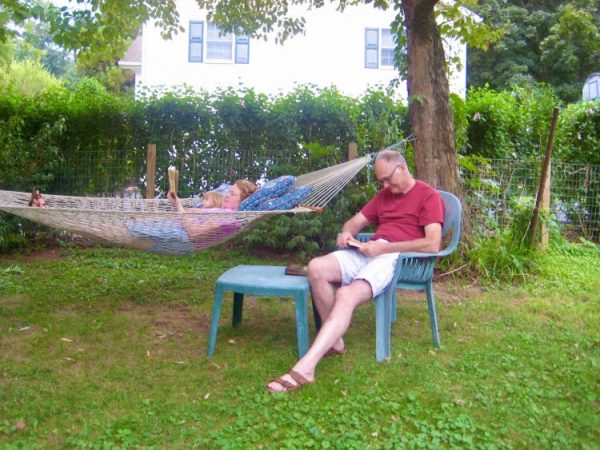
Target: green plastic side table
(261, 281)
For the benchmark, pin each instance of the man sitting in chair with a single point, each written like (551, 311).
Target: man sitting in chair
(409, 215)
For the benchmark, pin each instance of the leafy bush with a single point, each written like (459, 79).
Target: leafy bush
(80, 139)
(578, 135)
(309, 234)
(505, 253)
(27, 78)
(507, 124)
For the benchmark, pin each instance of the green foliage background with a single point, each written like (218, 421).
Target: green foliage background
(550, 41)
(80, 139)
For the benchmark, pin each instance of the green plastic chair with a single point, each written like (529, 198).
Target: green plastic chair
(414, 271)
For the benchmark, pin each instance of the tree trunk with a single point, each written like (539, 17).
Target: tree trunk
(436, 160)
(429, 99)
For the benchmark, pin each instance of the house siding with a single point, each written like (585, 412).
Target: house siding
(331, 52)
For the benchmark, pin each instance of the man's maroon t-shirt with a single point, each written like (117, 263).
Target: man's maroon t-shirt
(402, 217)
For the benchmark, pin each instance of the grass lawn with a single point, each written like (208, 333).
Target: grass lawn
(105, 348)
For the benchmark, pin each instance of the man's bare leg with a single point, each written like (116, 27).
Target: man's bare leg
(347, 298)
(324, 276)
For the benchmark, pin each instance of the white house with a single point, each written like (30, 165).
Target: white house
(352, 50)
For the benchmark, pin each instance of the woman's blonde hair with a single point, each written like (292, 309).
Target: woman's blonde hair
(215, 197)
(246, 188)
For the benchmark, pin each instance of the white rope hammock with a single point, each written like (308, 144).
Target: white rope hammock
(155, 225)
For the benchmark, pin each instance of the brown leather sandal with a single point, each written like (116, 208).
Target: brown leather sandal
(289, 387)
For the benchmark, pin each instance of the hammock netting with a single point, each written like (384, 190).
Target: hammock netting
(156, 226)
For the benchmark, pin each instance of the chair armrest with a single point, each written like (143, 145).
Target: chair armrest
(418, 255)
(364, 237)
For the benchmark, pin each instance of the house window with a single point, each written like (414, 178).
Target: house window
(196, 41)
(379, 48)
(215, 46)
(219, 46)
(387, 47)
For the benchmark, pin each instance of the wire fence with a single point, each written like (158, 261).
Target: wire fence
(200, 170)
(495, 186)
(492, 187)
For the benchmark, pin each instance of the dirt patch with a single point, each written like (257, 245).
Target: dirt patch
(168, 320)
(41, 254)
(445, 292)
(176, 320)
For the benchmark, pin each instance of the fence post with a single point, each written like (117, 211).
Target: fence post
(352, 151)
(546, 207)
(150, 170)
(545, 177)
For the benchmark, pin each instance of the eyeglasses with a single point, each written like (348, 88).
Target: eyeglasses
(388, 179)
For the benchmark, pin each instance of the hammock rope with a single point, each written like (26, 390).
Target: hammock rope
(156, 226)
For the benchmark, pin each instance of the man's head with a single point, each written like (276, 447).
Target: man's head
(392, 172)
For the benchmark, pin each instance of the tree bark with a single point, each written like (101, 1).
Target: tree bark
(436, 160)
(430, 115)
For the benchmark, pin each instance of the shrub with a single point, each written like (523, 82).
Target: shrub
(309, 234)
(507, 124)
(27, 78)
(578, 135)
(505, 253)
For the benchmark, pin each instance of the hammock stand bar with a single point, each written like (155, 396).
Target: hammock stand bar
(155, 225)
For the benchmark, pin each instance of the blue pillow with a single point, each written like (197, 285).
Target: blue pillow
(287, 201)
(274, 188)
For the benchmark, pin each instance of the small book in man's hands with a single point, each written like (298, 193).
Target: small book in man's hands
(354, 243)
(296, 269)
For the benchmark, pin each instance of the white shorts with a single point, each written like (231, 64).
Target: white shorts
(377, 271)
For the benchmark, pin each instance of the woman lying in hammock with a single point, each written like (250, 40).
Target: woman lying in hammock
(240, 190)
(194, 229)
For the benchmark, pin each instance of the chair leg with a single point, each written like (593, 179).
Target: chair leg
(238, 307)
(382, 327)
(214, 321)
(432, 315)
(302, 323)
(394, 306)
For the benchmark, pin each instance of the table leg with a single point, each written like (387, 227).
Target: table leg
(302, 323)
(214, 321)
(238, 306)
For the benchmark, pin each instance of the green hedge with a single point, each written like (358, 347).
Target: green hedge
(83, 140)
(515, 124)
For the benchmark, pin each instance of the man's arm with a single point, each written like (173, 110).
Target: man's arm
(429, 244)
(350, 228)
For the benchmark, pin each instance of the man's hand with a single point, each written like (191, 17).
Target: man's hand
(375, 248)
(343, 238)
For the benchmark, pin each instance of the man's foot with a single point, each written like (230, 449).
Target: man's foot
(288, 382)
(335, 352)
